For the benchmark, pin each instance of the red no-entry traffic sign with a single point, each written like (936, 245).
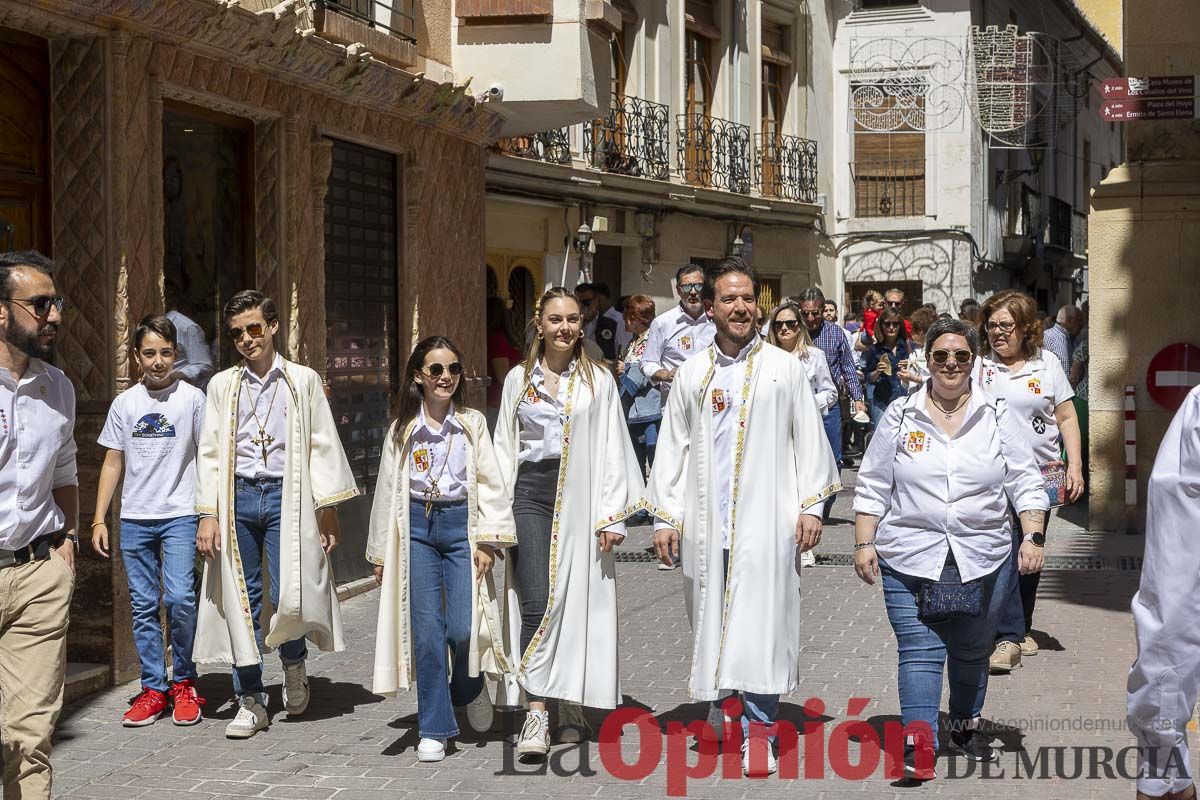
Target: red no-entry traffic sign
(1173, 372)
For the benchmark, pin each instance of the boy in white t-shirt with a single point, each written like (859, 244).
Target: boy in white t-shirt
(151, 434)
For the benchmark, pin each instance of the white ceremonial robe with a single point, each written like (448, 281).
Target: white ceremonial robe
(573, 655)
(1165, 679)
(745, 634)
(489, 521)
(317, 475)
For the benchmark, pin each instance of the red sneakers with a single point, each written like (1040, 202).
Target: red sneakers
(145, 709)
(187, 703)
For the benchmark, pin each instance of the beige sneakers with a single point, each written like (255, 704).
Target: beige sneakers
(1005, 658)
(1028, 646)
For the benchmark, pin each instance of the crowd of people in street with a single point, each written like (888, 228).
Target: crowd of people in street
(722, 424)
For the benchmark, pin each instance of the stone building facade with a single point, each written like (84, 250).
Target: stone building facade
(163, 147)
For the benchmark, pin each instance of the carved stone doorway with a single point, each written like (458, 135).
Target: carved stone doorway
(24, 142)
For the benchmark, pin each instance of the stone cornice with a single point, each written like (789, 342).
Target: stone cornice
(279, 42)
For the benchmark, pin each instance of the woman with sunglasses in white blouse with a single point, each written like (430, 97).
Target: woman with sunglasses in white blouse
(932, 517)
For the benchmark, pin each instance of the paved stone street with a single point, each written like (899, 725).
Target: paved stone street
(353, 745)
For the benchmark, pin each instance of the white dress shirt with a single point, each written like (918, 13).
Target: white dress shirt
(936, 494)
(259, 396)
(1032, 393)
(193, 360)
(724, 395)
(37, 452)
(674, 337)
(540, 420)
(816, 364)
(432, 447)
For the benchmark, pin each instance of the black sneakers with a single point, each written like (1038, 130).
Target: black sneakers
(972, 744)
(919, 767)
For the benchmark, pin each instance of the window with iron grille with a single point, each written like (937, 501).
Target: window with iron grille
(888, 171)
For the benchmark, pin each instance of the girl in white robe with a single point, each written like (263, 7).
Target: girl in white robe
(569, 466)
(440, 515)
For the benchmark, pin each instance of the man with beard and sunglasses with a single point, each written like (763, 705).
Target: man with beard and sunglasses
(680, 332)
(744, 466)
(39, 520)
(270, 472)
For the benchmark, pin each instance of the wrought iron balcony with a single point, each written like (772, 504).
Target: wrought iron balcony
(632, 140)
(786, 167)
(893, 188)
(552, 146)
(396, 17)
(714, 152)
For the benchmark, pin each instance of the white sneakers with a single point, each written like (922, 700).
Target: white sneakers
(430, 750)
(759, 769)
(535, 735)
(480, 712)
(572, 726)
(251, 718)
(295, 689)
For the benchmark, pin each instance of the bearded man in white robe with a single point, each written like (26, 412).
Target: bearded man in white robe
(742, 469)
(1165, 679)
(270, 471)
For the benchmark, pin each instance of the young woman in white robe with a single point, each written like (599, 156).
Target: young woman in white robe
(569, 466)
(439, 517)
(786, 330)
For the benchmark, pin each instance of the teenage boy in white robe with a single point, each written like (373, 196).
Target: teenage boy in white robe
(269, 475)
(742, 470)
(1165, 679)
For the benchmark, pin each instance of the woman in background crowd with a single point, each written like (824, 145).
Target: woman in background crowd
(885, 360)
(1038, 395)
(641, 398)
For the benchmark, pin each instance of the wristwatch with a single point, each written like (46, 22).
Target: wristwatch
(1038, 539)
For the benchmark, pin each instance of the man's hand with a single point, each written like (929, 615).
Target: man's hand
(331, 531)
(666, 545)
(663, 376)
(378, 575)
(66, 551)
(860, 407)
(484, 558)
(609, 540)
(1030, 558)
(100, 538)
(808, 532)
(208, 537)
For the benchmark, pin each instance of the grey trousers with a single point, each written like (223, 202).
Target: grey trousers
(533, 512)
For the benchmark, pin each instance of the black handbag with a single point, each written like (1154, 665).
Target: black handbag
(938, 601)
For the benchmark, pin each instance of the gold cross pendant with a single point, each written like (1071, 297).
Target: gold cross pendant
(264, 441)
(431, 493)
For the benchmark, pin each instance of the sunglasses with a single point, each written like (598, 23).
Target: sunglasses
(436, 370)
(1006, 327)
(942, 356)
(811, 314)
(691, 288)
(41, 304)
(255, 329)
(893, 303)
(890, 324)
(789, 324)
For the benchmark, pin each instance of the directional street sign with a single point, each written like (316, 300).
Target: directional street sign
(1162, 86)
(1153, 108)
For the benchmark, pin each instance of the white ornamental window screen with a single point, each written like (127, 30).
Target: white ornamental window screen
(906, 84)
(1022, 87)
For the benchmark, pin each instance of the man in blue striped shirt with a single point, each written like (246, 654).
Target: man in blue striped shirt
(832, 341)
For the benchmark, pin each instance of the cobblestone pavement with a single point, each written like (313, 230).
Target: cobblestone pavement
(352, 745)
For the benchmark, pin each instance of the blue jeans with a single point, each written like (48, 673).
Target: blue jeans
(440, 576)
(258, 508)
(1016, 619)
(759, 708)
(833, 431)
(960, 645)
(160, 559)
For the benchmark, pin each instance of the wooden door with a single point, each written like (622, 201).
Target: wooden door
(24, 143)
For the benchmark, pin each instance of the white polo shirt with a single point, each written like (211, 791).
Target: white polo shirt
(1032, 392)
(438, 456)
(936, 494)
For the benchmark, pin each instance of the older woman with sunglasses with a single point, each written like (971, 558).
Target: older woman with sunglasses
(1037, 391)
(786, 331)
(931, 517)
